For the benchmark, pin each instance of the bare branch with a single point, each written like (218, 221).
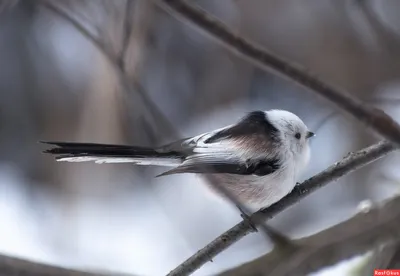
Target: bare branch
(128, 84)
(127, 30)
(15, 266)
(54, 7)
(393, 261)
(353, 237)
(384, 257)
(349, 164)
(374, 118)
(6, 5)
(138, 23)
(385, 34)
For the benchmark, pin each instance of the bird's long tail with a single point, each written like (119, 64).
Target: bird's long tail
(104, 153)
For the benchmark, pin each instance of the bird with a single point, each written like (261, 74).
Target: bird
(258, 159)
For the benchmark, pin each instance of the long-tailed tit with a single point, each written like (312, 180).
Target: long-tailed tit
(258, 159)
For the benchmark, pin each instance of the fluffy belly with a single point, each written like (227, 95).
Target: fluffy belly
(256, 192)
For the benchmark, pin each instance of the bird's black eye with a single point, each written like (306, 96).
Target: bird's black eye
(297, 135)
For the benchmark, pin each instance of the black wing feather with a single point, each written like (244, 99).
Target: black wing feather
(255, 122)
(261, 168)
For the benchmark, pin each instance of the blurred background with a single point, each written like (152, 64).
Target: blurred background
(148, 79)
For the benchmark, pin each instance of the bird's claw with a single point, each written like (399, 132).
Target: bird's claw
(247, 218)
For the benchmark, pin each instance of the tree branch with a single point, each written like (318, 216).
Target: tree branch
(349, 164)
(6, 5)
(353, 237)
(128, 84)
(385, 35)
(52, 6)
(127, 30)
(15, 266)
(373, 118)
(385, 256)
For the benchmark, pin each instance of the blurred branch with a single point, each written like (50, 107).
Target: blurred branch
(385, 33)
(139, 19)
(15, 266)
(392, 258)
(374, 118)
(347, 165)
(385, 256)
(128, 84)
(57, 9)
(6, 5)
(353, 237)
(127, 31)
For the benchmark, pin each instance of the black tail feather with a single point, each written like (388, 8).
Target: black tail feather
(72, 149)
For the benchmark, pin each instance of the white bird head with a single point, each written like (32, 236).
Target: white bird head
(293, 132)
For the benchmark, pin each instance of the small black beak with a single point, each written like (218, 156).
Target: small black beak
(310, 134)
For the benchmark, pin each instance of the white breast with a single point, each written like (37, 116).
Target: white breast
(257, 192)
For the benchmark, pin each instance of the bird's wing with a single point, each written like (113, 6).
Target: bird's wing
(252, 133)
(187, 145)
(248, 147)
(224, 163)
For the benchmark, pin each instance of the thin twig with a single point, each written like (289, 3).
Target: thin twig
(372, 117)
(386, 35)
(7, 5)
(127, 84)
(349, 164)
(350, 238)
(52, 6)
(126, 34)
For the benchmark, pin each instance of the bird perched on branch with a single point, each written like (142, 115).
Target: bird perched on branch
(258, 159)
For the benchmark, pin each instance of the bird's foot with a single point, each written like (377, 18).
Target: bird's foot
(247, 218)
